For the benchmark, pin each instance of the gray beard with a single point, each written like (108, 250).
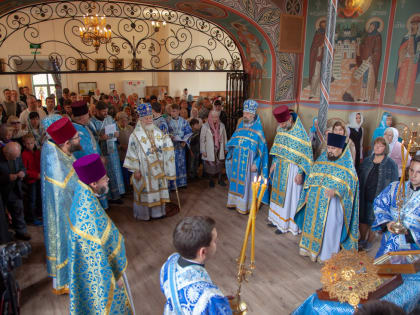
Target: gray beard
(103, 190)
(75, 147)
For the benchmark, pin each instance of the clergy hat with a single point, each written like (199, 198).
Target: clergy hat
(144, 109)
(79, 108)
(250, 106)
(61, 130)
(89, 168)
(281, 113)
(336, 140)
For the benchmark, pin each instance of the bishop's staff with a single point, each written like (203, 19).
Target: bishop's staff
(237, 306)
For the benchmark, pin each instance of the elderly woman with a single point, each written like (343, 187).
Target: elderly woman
(391, 135)
(123, 137)
(213, 147)
(17, 132)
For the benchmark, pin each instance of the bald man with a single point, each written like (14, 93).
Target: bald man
(12, 173)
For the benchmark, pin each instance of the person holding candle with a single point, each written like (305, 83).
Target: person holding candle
(246, 158)
(292, 161)
(386, 210)
(396, 149)
(328, 209)
(184, 281)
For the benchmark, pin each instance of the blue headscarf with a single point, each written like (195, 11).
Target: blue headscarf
(379, 132)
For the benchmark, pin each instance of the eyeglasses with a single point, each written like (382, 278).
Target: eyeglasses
(15, 122)
(75, 137)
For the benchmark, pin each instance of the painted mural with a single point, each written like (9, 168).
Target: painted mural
(403, 77)
(359, 51)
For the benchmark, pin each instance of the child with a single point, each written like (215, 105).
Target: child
(34, 127)
(32, 161)
(6, 134)
(194, 158)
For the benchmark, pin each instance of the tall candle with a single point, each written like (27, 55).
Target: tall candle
(262, 191)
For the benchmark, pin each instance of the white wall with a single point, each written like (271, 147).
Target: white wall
(196, 82)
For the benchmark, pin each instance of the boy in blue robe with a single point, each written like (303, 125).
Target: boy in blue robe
(183, 279)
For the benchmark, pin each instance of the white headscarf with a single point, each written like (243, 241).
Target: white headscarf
(352, 121)
(394, 139)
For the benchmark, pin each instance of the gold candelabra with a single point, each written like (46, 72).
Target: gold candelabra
(238, 306)
(95, 31)
(398, 227)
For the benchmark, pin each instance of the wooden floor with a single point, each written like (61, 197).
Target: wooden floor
(281, 281)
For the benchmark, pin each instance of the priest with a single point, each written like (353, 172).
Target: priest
(246, 159)
(97, 259)
(328, 209)
(151, 158)
(386, 213)
(58, 181)
(292, 161)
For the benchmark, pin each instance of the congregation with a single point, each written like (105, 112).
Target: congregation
(65, 162)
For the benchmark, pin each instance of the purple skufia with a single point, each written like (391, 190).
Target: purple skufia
(89, 168)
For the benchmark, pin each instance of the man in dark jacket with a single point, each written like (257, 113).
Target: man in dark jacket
(377, 171)
(12, 172)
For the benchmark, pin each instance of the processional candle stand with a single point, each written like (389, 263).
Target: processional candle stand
(398, 227)
(238, 306)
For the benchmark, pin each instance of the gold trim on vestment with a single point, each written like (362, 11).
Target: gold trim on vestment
(293, 151)
(307, 143)
(117, 249)
(105, 235)
(334, 178)
(62, 265)
(62, 184)
(153, 204)
(51, 258)
(253, 131)
(110, 296)
(283, 219)
(340, 167)
(84, 234)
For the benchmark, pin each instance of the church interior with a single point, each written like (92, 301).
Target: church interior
(275, 52)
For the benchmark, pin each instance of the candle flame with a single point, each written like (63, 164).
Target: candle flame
(265, 181)
(255, 179)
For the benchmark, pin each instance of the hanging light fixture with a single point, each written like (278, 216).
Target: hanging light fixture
(157, 25)
(95, 31)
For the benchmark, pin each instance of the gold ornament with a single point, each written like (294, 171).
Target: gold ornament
(349, 276)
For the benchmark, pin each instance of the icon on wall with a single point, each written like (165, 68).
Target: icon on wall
(136, 64)
(82, 65)
(190, 64)
(100, 64)
(177, 64)
(204, 64)
(118, 64)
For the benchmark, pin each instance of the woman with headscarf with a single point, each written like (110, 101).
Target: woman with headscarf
(355, 131)
(316, 138)
(386, 121)
(391, 135)
(213, 140)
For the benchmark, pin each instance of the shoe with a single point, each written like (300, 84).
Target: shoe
(271, 225)
(211, 183)
(22, 236)
(117, 201)
(278, 232)
(368, 246)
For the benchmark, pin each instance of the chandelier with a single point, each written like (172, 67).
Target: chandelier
(95, 31)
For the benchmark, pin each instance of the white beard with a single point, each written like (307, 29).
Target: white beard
(148, 127)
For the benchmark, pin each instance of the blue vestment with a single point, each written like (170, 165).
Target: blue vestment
(386, 210)
(247, 147)
(189, 290)
(290, 147)
(97, 258)
(180, 131)
(313, 207)
(110, 151)
(58, 181)
(161, 123)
